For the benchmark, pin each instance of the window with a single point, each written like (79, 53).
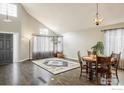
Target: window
(10, 9)
(114, 41)
(44, 31)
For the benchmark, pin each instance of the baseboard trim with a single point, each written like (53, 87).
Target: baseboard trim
(23, 60)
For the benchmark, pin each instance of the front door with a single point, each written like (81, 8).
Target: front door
(6, 48)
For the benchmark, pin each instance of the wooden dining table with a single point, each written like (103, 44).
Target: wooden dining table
(90, 61)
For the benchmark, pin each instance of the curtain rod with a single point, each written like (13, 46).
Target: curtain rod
(46, 36)
(112, 29)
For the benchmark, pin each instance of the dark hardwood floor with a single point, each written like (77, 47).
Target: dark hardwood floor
(27, 73)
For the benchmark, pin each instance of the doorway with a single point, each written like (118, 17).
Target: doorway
(6, 48)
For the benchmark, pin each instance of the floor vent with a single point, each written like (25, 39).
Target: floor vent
(40, 78)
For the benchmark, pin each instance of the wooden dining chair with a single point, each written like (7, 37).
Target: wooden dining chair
(103, 68)
(115, 63)
(82, 66)
(89, 52)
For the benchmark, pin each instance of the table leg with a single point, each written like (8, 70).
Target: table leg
(109, 76)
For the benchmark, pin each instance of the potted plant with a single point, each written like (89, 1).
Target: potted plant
(98, 49)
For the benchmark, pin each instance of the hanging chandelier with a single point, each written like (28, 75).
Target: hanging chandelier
(98, 18)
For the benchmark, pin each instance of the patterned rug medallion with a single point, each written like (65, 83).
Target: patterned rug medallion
(55, 65)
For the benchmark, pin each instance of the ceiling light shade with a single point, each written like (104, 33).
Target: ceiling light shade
(98, 19)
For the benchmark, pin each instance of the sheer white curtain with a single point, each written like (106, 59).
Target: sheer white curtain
(46, 46)
(42, 47)
(114, 41)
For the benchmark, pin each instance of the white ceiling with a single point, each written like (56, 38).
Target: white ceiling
(63, 18)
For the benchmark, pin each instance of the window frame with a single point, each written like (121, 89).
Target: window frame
(9, 9)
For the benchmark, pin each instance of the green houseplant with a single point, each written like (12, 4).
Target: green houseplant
(98, 49)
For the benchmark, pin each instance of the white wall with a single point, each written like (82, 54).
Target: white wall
(16, 47)
(29, 26)
(81, 40)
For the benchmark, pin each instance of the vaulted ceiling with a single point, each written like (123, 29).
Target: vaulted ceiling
(63, 18)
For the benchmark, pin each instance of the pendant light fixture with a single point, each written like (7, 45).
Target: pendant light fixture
(98, 18)
(7, 16)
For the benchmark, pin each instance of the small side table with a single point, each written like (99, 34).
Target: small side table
(60, 55)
